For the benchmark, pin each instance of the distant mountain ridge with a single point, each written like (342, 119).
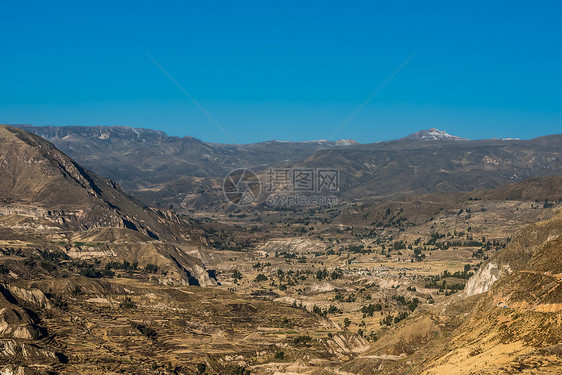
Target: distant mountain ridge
(125, 154)
(106, 132)
(185, 172)
(163, 170)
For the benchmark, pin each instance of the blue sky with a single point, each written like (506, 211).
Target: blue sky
(288, 70)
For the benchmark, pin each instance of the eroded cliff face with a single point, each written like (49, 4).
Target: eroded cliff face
(484, 279)
(516, 324)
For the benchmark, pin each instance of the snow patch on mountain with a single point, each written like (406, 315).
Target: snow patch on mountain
(341, 142)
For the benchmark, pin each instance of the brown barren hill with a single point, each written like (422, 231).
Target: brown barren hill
(38, 178)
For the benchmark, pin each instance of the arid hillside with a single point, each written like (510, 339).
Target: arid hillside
(36, 178)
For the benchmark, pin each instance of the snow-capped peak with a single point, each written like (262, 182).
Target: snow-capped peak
(433, 135)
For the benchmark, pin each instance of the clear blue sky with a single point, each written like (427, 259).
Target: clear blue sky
(289, 70)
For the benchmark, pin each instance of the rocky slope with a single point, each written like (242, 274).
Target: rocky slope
(506, 321)
(535, 188)
(416, 209)
(521, 254)
(515, 328)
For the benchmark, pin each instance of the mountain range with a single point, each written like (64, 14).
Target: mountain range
(165, 171)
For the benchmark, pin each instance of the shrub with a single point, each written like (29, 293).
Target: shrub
(201, 368)
(76, 291)
(239, 370)
(127, 303)
(302, 341)
(91, 272)
(146, 331)
(151, 268)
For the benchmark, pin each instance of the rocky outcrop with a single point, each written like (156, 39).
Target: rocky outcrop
(16, 323)
(32, 296)
(18, 352)
(348, 343)
(13, 370)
